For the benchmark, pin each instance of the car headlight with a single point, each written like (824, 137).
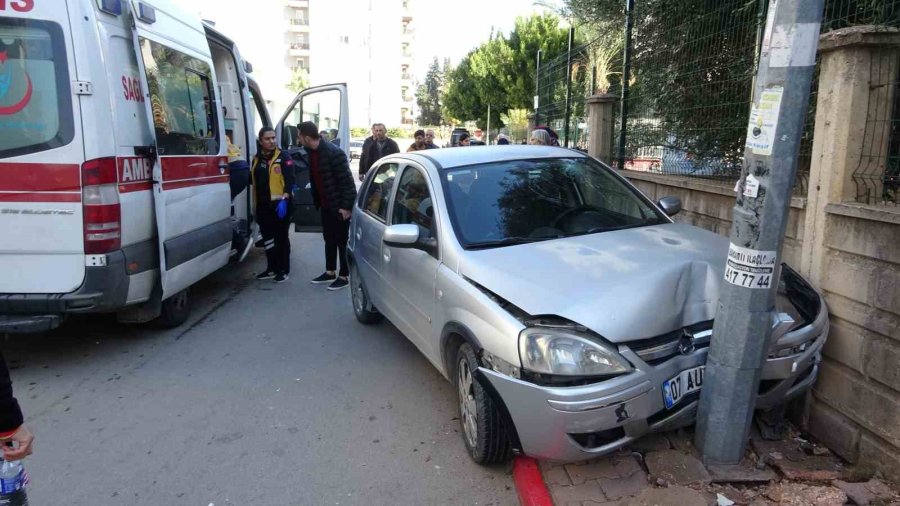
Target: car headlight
(564, 353)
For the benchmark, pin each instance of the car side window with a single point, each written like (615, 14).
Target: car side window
(379, 191)
(413, 204)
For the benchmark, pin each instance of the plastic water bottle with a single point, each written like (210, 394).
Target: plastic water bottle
(12, 484)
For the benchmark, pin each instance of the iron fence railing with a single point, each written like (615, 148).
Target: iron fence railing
(692, 65)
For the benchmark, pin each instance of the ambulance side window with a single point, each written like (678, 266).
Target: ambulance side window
(184, 112)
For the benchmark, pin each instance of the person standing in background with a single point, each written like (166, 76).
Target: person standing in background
(419, 144)
(429, 139)
(375, 148)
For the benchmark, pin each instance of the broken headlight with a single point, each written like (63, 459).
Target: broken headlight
(561, 352)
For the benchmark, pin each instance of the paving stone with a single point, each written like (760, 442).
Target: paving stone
(742, 473)
(624, 487)
(651, 443)
(863, 494)
(676, 467)
(593, 470)
(672, 496)
(792, 462)
(799, 494)
(557, 476)
(682, 440)
(577, 494)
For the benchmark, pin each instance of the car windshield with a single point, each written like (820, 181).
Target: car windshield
(512, 202)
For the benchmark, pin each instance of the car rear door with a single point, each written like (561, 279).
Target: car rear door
(192, 197)
(41, 216)
(326, 106)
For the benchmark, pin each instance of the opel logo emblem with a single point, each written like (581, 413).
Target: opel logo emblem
(686, 346)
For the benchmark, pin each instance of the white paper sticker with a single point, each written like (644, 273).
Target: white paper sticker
(750, 268)
(764, 121)
(794, 45)
(751, 186)
(737, 186)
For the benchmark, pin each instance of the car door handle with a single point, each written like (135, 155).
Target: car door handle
(387, 255)
(358, 233)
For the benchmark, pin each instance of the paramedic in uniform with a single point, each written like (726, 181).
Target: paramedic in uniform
(272, 173)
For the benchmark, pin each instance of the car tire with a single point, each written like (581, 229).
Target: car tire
(479, 418)
(175, 310)
(360, 299)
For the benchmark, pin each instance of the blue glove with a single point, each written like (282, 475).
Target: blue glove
(282, 209)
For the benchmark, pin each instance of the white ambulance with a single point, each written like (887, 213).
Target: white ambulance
(115, 184)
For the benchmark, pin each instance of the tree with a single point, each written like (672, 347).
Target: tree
(501, 71)
(428, 95)
(299, 80)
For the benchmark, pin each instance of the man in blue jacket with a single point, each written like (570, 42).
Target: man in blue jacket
(334, 193)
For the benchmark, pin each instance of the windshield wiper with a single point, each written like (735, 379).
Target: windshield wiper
(506, 241)
(621, 227)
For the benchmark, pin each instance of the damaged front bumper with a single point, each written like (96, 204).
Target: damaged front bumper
(583, 422)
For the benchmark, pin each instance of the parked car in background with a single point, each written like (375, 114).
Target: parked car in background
(454, 136)
(356, 149)
(572, 314)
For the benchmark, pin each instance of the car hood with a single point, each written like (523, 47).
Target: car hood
(625, 284)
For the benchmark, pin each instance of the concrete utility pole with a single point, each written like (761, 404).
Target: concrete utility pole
(747, 298)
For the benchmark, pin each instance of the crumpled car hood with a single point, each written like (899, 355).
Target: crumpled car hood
(625, 285)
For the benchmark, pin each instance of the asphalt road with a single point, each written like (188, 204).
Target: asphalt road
(269, 395)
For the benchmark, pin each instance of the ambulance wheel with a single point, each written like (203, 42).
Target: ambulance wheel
(175, 310)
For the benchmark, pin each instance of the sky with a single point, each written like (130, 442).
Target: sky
(443, 29)
(448, 29)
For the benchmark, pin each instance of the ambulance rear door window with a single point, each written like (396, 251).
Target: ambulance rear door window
(184, 113)
(35, 97)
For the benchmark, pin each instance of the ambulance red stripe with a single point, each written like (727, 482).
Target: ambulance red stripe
(39, 177)
(38, 197)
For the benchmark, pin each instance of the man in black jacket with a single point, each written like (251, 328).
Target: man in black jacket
(375, 147)
(333, 192)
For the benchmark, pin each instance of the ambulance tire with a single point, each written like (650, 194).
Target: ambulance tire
(175, 310)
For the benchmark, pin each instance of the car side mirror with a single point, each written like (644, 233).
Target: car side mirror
(401, 236)
(407, 236)
(670, 205)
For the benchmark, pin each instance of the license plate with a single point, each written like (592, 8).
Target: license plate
(687, 381)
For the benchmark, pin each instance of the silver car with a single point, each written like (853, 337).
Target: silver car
(571, 312)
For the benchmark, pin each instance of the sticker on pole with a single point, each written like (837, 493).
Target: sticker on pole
(750, 268)
(764, 121)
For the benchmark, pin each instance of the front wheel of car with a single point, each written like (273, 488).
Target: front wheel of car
(479, 417)
(360, 299)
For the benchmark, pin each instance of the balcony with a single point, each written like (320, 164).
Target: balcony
(298, 24)
(299, 49)
(407, 77)
(299, 4)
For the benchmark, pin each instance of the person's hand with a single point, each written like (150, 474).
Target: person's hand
(24, 438)
(345, 214)
(285, 196)
(362, 177)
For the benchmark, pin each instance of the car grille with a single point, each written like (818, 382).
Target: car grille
(658, 349)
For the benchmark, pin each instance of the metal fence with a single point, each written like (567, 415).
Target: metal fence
(692, 66)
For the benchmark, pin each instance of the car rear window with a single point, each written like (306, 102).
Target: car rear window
(35, 99)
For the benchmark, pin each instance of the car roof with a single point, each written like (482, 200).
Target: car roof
(449, 158)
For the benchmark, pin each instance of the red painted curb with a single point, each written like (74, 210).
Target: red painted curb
(530, 483)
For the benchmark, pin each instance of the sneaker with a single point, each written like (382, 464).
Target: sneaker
(281, 278)
(338, 284)
(324, 278)
(265, 275)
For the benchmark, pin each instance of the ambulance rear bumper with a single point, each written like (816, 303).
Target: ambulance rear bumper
(105, 288)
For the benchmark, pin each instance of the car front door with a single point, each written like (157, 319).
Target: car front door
(328, 108)
(411, 272)
(367, 231)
